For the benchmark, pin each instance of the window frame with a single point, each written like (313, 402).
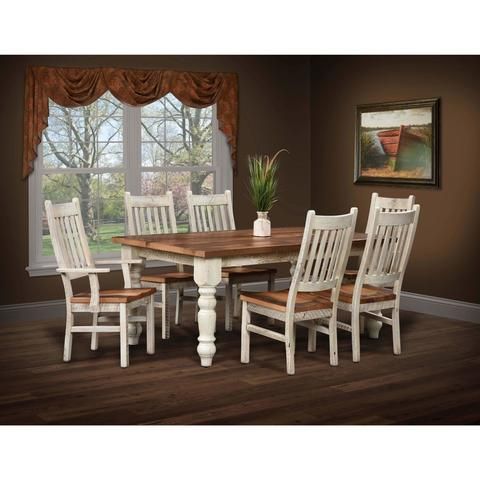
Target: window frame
(39, 265)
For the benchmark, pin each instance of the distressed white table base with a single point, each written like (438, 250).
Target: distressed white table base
(373, 325)
(207, 275)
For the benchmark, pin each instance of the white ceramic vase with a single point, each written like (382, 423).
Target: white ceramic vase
(262, 226)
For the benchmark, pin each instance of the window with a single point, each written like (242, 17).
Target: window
(98, 151)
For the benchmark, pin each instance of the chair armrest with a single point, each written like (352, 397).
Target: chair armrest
(84, 270)
(126, 267)
(119, 261)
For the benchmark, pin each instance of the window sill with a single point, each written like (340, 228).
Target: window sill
(48, 270)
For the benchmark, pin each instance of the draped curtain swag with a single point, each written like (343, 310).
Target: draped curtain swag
(74, 87)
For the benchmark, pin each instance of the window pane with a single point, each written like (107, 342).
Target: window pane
(178, 183)
(153, 155)
(155, 109)
(154, 183)
(176, 154)
(176, 131)
(101, 203)
(173, 106)
(110, 212)
(84, 137)
(109, 155)
(202, 183)
(157, 183)
(183, 134)
(153, 129)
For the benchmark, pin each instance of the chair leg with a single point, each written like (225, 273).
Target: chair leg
(270, 287)
(397, 347)
(94, 341)
(312, 338)
(124, 357)
(290, 346)
(165, 314)
(237, 304)
(178, 305)
(228, 307)
(150, 326)
(363, 322)
(245, 341)
(332, 339)
(67, 349)
(356, 333)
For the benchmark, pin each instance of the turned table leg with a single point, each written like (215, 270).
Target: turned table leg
(373, 326)
(134, 328)
(207, 274)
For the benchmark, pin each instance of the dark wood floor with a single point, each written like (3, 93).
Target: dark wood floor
(435, 381)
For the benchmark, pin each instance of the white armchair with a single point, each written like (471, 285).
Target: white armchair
(75, 261)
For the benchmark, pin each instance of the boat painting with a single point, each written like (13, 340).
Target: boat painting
(397, 145)
(406, 149)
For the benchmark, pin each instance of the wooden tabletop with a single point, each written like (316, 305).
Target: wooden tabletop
(224, 244)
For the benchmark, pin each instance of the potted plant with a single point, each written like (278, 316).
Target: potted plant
(263, 189)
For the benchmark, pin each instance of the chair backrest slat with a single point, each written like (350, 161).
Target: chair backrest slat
(388, 248)
(388, 205)
(157, 220)
(323, 254)
(69, 240)
(210, 213)
(147, 215)
(316, 269)
(73, 246)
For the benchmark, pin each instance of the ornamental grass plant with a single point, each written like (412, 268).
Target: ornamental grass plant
(263, 183)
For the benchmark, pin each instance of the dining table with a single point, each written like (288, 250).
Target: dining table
(208, 253)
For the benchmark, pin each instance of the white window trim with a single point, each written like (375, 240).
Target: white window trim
(37, 267)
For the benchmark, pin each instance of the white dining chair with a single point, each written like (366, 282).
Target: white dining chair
(74, 260)
(379, 281)
(214, 213)
(155, 215)
(320, 266)
(385, 204)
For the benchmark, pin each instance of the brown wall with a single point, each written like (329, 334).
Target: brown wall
(446, 256)
(274, 113)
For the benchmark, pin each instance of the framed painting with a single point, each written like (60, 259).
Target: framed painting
(397, 143)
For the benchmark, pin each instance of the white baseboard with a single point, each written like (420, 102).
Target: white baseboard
(442, 307)
(33, 311)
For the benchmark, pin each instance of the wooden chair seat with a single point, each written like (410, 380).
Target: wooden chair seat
(239, 272)
(169, 277)
(370, 294)
(126, 295)
(277, 300)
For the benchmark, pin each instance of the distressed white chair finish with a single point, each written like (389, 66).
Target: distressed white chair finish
(74, 260)
(155, 215)
(214, 213)
(385, 204)
(383, 264)
(320, 266)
